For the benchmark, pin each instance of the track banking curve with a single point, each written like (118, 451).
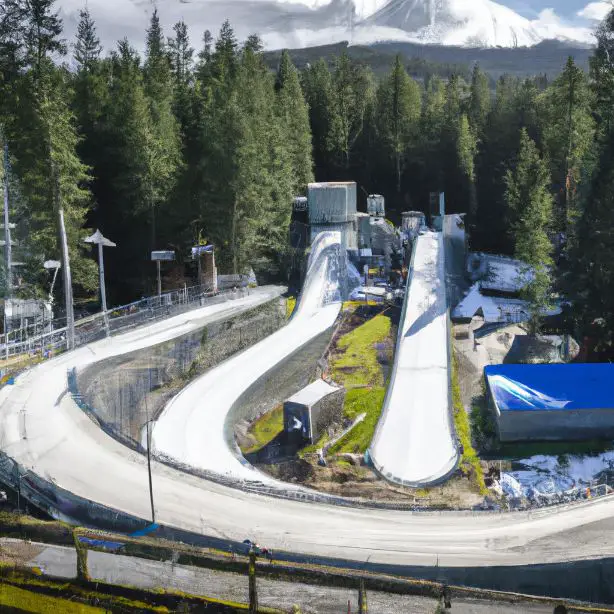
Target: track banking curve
(191, 429)
(42, 428)
(414, 443)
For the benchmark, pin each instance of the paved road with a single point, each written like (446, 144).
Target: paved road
(191, 427)
(42, 428)
(414, 444)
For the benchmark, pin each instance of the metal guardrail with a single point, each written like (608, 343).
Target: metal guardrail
(50, 338)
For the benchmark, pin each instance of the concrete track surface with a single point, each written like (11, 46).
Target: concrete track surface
(191, 427)
(414, 443)
(42, 428)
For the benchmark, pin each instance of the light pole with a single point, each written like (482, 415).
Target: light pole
(158, 257)
(101, 241)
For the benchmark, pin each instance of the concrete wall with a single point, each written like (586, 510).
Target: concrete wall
(555, 425)
(124, 392)
(278, 384)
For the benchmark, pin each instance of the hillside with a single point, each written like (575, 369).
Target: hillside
(546, 58)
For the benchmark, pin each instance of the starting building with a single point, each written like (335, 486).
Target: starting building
(552, 401)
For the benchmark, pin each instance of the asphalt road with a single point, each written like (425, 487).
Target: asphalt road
(414, 444)
(42, 428)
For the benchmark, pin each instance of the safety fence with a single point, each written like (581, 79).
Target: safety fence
(49, 338)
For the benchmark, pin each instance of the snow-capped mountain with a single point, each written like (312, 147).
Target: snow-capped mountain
(302, 23)
(481, 23)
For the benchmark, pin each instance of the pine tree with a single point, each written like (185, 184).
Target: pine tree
(529, 199)
(466, 151)
(294, 121)
(480, 101)
(225, 59)
(318, 86)
(398, 111)
(181, 54)
(569, 132)
(165, 153)
(352, 93)
(602, 74)
(42, 33)
(592, 289)
(44, 141)
(87, 47)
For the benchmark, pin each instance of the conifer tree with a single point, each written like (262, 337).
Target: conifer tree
(398, 111)
(87, 46)
(165, 152)
(352, 94)
(569, 132)
(318, 86)
(294, 120)
(529, 199)
(479, 102)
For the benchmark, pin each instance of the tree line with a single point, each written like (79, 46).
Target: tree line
(163, 150)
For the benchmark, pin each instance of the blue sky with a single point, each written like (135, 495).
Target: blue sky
(530, 8)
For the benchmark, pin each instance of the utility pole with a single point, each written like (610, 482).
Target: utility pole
(68, 300)
(8, 250)
(148, 433)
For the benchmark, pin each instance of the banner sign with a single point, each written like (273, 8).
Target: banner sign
(199, 250)
(163, 255)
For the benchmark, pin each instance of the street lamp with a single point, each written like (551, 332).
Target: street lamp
(101, 241)
(158, 257)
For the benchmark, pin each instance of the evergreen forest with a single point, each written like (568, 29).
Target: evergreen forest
(196, 141)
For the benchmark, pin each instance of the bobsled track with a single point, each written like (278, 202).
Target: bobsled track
(43, 430)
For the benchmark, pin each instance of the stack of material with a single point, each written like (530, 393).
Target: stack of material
(332, 207)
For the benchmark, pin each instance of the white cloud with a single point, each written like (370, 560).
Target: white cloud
(549, 25)
(596, 11)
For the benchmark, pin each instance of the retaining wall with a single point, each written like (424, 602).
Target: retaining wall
(125, 391)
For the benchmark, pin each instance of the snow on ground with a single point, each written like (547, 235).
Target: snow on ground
(549, 475)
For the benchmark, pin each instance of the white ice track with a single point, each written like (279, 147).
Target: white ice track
(191, 427)
(414, 444)
(42, 428)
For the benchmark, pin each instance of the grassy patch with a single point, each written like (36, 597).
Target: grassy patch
(290, 306)
(266, 428)
(13, 597)
(358, 401)
(355, 360)
(470, 463)
(355, 365)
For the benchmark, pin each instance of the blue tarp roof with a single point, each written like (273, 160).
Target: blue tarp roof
(552, 387)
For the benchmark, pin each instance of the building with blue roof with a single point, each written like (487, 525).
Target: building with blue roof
(552, 401)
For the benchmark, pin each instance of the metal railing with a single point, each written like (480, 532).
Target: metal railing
(49, 338)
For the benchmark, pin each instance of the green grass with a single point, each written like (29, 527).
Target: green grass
(266, 428)
(290, 305)
(358, 401)
(355, 366)
(355, 362)
(13, 597)
(470, 462)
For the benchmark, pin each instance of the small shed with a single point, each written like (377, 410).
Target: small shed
(311, 410)
(552, 401)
